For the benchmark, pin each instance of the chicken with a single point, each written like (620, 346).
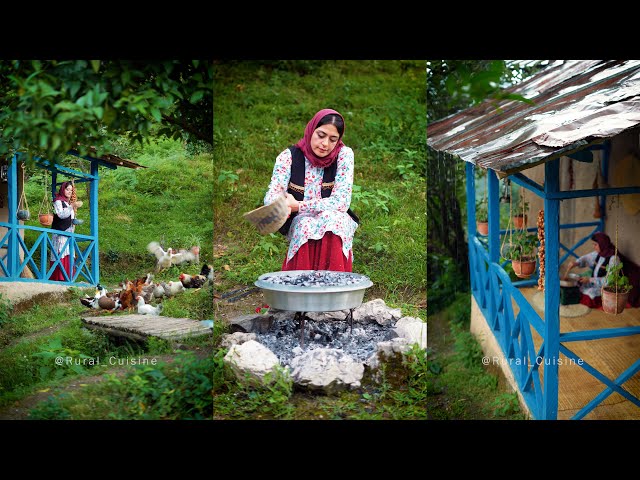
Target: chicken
(158, 290)
(163, 257)
(183, 256)
(192, 281)
(126, 299)
(173, 288)
(145, 309)
(207, 271)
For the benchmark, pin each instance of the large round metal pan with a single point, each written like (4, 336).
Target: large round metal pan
(312, 298)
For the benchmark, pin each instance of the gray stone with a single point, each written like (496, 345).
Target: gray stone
(326, 369)
(236, 338)
(253, 323)
(373, 311)
(413, 329)
(399, 345)
(251, 358)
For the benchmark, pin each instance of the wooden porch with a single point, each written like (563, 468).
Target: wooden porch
(611, 356)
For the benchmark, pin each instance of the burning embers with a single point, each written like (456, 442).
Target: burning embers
(283, 338)
(317, 278)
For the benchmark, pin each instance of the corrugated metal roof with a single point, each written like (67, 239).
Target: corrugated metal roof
(576, 103)
(112, 159)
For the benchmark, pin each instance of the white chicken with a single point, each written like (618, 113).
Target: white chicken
(163, 257)
(173, 288)
(144, 309)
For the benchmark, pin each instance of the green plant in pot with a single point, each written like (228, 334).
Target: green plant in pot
(522, 253)
(482, 217)
(615, 292)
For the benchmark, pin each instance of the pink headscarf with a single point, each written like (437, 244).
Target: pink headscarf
(604, 242)
(60, 194)
(305, 142)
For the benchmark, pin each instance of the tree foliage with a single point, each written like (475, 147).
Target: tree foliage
(48, 107)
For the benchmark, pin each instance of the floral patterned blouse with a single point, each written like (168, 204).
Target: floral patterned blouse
(60, 240)
(317, 215)
(594, 286)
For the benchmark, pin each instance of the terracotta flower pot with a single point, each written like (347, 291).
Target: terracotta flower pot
(519, 221)
(46, 219)
(483, 228)
(612, 303)
(524, 268)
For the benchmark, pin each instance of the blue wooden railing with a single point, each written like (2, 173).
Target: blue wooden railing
(495, 295)
(18, 256)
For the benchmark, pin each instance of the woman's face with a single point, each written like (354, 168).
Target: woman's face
(324, 140)
(68, 190)
(596, 247)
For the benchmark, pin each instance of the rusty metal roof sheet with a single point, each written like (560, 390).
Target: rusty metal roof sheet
(112, 159)
(575, 103)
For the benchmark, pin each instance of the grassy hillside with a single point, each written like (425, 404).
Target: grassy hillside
(169, 202)
(263, 107)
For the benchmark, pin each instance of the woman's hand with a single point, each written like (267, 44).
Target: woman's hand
(292, 202)
(584, 280)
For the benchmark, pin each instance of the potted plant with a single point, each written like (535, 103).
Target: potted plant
(520, 217)
(482, 217)
(615, 292)
(522, 253)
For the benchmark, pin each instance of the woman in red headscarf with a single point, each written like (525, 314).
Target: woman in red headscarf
(63, 215)
(316, 176)
(600, 261)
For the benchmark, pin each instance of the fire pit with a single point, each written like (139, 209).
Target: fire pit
(305, 291)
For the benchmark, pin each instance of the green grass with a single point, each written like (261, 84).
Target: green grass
(165, 391)
(459, 386)
(263, 107)
(170, 202)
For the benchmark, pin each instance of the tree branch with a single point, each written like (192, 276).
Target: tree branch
(187, 127)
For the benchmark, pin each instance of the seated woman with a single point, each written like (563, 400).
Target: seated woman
(316, 176)
(600, 261)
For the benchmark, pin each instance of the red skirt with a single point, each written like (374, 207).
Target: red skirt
(324, 254)
(57, 273)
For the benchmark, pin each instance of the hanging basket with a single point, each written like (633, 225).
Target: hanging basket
(46, 219)
(23, 207)
(44, 215)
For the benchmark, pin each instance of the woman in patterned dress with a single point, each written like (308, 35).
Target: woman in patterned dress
(321, 233)
(600, 261)
(63, 215)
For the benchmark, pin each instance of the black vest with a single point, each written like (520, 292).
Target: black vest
(603, 269)
(296, 184)
(61, 223)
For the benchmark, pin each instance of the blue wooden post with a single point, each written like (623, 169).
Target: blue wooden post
(605, 175)
(551, 290)
(12, 194)
(471, 217)
(494, 231)
(93, 211)
(54, 180)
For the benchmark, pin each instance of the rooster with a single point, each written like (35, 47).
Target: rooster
(163, 257)
(145, 309)
(207, 271)
(192, 281)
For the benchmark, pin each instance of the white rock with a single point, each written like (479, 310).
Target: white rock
(413, 329)
(326, 369)
(236, 338)
(388, 349)
(253, 358)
